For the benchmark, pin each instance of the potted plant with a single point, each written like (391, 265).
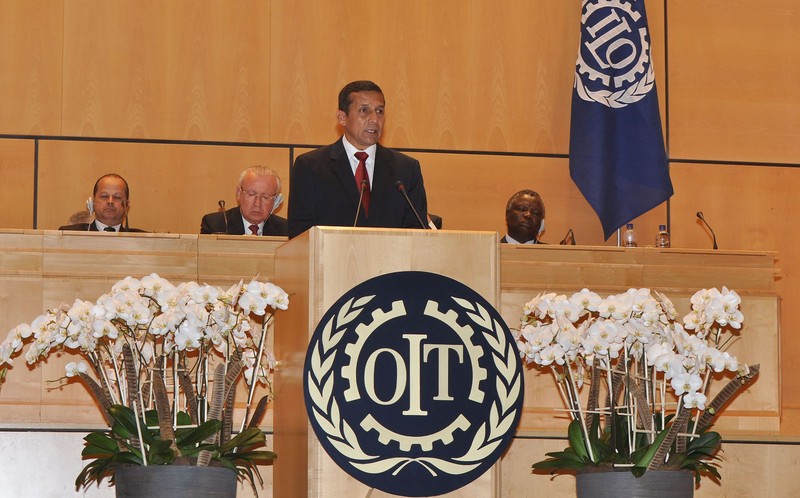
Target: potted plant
(635, 382)
(162, 362)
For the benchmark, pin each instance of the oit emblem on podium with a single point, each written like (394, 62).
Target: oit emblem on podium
(413, 384)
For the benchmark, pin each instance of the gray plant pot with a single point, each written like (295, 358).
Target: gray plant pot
(174, 481)
(621, 483)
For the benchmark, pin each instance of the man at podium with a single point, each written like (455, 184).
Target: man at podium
(356, 181)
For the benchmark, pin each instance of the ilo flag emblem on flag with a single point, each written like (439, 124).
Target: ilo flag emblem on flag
(616, 155)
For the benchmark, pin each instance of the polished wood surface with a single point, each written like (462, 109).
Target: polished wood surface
(317, 268)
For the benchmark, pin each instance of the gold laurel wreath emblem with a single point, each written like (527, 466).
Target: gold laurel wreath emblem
(320, 382)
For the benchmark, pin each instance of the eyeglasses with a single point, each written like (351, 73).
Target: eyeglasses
(265, 198)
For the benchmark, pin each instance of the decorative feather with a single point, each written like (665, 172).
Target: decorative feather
(188, 390)
(163, 409)
(644, 415)
(234, 369)
(727, 392)
(217, 399)
(100, 395)
(258, 414)
(131, 376)
(678, 424)
(594, 387)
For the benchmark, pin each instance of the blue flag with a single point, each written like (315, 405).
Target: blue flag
(616, 150)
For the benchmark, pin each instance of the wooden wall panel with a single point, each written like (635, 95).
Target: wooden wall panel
(733, 80)
(749, 208)
(170, 70)
(456, 75)
(30, 64)
(16, 183)
(172, 186)
(470, 192)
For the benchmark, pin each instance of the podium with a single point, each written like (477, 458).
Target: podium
(320, 266)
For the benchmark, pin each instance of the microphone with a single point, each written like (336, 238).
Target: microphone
(363, 189)
(221, 204)
(402, 188)
(700, 216)
(569, 239)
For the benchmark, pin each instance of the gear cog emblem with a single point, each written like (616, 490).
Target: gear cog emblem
(413, 384)
(613, 67)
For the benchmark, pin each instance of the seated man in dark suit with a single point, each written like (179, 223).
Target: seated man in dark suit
(258, 195)
(110, 203)
(524, 218)
(356, 181)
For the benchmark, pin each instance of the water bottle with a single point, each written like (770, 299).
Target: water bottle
(662, 238)
(629, 237)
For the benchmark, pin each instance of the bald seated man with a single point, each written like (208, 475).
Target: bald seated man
(110, 203)
(258, 194)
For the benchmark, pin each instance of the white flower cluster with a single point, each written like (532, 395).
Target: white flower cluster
(155, 318)
(558, 330)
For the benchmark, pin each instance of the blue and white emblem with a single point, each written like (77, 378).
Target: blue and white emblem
(413, 384)
(614, 66)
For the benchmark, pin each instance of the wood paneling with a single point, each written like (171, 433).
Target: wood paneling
(171, 70)
(456, 75)
(749, 208)
(171, 186)
(733, 80)
(31, 40)
(470, 192)
(17, 185)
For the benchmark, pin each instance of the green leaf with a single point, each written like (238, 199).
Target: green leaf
(247, 437)
(126, 424)
(101, 440)
(128, 457)
(199, 433)
(707, 440)
(92, 451)
(647, 457)
(257, 455)
(184, 418)
(576, 442)
(566, 455)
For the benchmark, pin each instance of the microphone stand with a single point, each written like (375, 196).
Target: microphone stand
(360, 201)
(402, 188)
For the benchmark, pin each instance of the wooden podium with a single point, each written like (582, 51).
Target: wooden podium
(318, 267)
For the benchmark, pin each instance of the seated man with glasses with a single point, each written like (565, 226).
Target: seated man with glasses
(258, 195)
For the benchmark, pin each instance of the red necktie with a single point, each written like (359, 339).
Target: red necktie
(361, 177)
(253, 229)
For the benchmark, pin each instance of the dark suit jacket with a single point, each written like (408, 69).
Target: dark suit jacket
(215, 223)
(91, 227)
(323, 191)
(505, 241)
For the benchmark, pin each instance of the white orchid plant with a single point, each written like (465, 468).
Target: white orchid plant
(648, 376)
(148, 348)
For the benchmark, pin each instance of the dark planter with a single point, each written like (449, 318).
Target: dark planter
(620, 482)
(174, 481)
